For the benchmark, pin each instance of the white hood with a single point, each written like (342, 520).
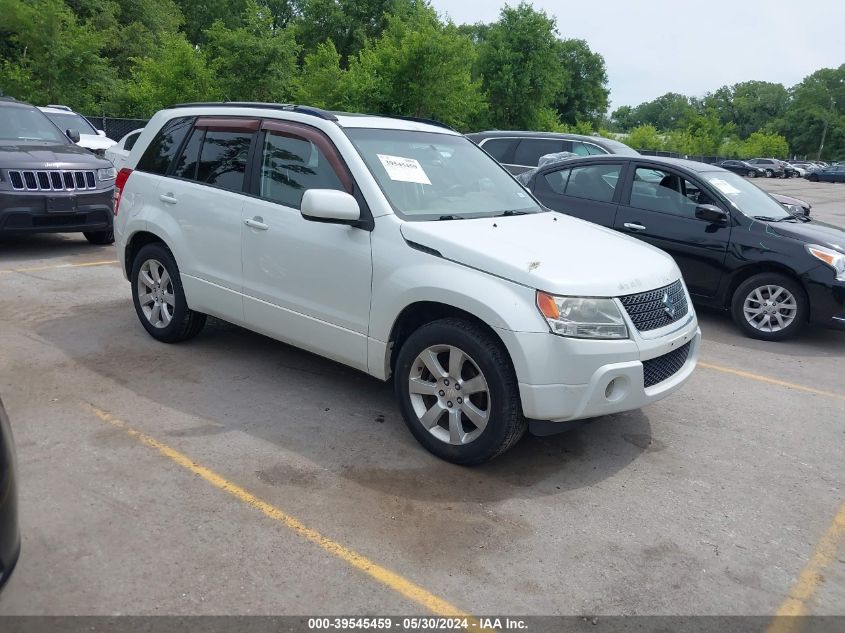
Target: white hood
(551, 252)
(95, 142)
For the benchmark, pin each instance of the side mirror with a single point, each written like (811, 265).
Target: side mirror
(100, 133)
(711, 213)
(73, 135)
(330, 205)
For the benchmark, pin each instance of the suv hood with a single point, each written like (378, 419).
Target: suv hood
(551, 252)
(814, 232)
(48, 156)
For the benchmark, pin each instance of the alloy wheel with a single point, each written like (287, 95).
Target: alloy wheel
(449, 394)
(155, 293)
(770, 308)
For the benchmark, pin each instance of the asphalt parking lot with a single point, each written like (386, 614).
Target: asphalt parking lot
(235, 475)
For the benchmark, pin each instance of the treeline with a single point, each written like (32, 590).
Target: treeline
(753, 118)
(131, 58)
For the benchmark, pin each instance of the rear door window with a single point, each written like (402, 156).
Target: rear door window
(160, 153)
(529, 150)
(500, 148)
(186, 166)
(223, 158)
(591, 182)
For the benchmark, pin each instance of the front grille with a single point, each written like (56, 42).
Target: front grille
(653, 309)
(659, 369)
(52, 180)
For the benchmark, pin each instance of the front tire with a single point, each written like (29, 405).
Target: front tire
(770, 173)
(100, 238)
(770, 307)
(458, 392)
(752, 174)
(159, 298)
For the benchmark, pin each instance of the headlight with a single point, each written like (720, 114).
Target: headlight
(795, 209)
(582, 317)
(109, 173)
(834, 259)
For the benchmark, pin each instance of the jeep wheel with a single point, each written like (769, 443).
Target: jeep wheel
(458, 393)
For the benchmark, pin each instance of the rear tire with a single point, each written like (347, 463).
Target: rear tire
(465, 406)
(770, 307)
(100, 238)
(159, 298)
(770, 173)
(752, 174)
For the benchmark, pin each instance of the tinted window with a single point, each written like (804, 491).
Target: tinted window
(580, 149)
(186, 166)
(129, 143)
(593, 182)
(529, 150)
(223, 158)
(499, 148)
(595, 150)
(663, 191)
(161, 152)
(290, 166)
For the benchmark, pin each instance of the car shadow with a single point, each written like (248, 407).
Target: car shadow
(41, 246)
(344, 422)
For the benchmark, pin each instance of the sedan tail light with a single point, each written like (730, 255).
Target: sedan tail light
(119, 183)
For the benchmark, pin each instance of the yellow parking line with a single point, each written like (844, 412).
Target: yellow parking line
(808, 581)
(40, 268)
(380, 574)
(772, 381)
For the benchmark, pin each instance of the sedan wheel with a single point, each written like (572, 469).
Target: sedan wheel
(752, 173)
(770, 173)
(155, 293)
(770, 306)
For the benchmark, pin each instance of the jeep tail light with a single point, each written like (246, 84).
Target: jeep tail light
(119, 183)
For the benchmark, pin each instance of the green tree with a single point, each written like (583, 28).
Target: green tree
(520, 67)
(322, 82)
(750, 105)
(48, 56)
(177, 72)
(584, 94)
(768, 145)
(644, 137)
(817, 111)
(418, 67)
(253, 62)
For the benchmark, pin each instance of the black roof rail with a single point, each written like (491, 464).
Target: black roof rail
(287, 107)
(417, 119)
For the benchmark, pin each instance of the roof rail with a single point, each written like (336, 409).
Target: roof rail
(417, 119)
(287, 107)
(59, 107)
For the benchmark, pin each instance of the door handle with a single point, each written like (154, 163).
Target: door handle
(257, 223)
(168, 198)
(634, 226)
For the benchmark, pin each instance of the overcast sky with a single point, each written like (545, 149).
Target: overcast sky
(661, 46)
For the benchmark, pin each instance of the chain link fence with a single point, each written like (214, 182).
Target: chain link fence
(116, 128)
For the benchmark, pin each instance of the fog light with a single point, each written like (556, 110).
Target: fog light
(616, 389)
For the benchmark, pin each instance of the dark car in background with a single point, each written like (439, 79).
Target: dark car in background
(743, 168)
(10, 537)
(772, 166)
(738, 248)
(834, 173)
(521, 151)
(47, 183)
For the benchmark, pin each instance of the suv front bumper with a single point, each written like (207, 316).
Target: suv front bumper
(563, 379)
(55, 212)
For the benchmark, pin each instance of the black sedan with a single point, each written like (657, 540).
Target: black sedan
(737, 247)
(834, 173)
(743, 169)
(10, 539)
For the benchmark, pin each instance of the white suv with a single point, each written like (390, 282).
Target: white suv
(401, 249)
(90, 138)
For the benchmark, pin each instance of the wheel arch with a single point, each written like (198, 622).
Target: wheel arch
(761, 267)
(136, 242)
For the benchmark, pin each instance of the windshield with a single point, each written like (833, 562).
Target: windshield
(28, 124)
(430, 176)
(71, 121)
(745, 197)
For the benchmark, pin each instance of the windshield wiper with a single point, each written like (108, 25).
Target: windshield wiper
(766, 218)
(450, 217)
(505, 214)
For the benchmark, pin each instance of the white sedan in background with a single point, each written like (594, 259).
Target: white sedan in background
(118, 152)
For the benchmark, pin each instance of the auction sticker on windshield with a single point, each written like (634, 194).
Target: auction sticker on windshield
(404, 169)
(725, 187)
